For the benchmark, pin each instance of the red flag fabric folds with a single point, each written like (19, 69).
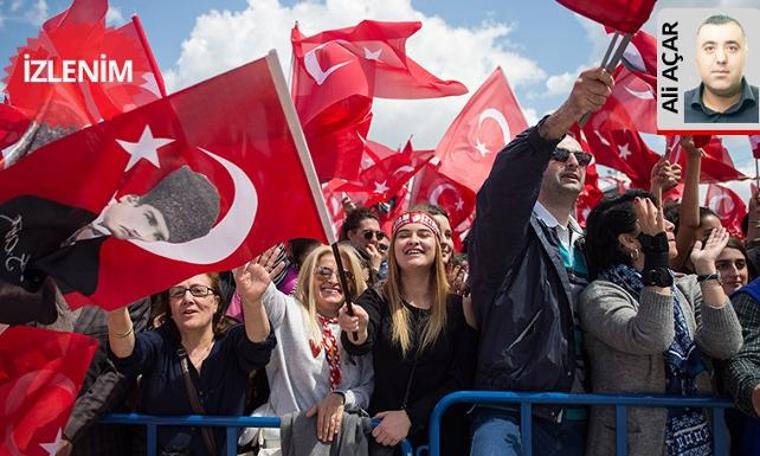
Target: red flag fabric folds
(717, 165)
(754, 142)
(41, 373)
(624, 15)
(728, 206)
(193, 182)
(489, 120)
(46, 78)
(623, 150)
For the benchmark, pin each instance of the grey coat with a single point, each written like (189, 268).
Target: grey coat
(625, 341)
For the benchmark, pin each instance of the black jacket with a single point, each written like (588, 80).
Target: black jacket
(520, 288)
(444, 367)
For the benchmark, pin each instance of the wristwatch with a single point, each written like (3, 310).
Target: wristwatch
(714, 276)
(659, 277)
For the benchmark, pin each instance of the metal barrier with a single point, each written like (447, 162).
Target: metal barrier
(232, 423)
(621, 403)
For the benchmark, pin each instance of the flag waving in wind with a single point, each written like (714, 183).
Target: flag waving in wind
(193, 182)
(77, 72)
(41, 373)
(623, 15)
(728, 206)
(489, 120)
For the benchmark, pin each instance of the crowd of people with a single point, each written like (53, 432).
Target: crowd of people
(651, 297)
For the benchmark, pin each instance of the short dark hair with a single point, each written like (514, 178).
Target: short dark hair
(354, 220)
(609, 219)
(720, 19)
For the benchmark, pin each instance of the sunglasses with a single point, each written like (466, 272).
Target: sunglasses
(199, 291)
(369, 234)
(562, 155)
(324, 273)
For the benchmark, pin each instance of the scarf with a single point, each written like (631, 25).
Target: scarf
(687, 432)
(332, 352)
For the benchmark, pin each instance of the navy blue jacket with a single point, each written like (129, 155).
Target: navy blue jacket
(520, 288)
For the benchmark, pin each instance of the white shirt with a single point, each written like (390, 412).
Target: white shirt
(565, 233)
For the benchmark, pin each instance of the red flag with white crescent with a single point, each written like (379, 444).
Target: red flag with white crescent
(489, 120)
(433, 187)
(728, 206)
(41, 372)
(193, 182)
(717, 165)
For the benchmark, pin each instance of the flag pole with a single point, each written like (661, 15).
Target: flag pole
(311, 174)
(610, 65)
(757, 173)
(149, 53)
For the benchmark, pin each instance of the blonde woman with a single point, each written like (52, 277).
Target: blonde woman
(415, 330)
(309, 370)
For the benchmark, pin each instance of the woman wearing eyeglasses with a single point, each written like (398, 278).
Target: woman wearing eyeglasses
(310, 371)
(194, 362)
(415, 331)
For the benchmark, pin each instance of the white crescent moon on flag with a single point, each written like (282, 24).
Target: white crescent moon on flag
(315, 70)
(714, 204)
(436, 193)
(495, 114)
(224, 238)
(643, 95)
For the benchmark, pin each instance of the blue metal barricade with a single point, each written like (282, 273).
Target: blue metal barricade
(621, 403)
(232, 423)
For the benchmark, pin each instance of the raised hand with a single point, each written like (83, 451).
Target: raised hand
(650, 217)
(356, 324)
(254, 277)
(665, 175)
(703, 256)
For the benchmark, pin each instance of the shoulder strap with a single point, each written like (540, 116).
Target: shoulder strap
(195, 403)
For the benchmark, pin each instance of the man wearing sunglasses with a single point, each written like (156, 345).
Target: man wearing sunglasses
(526, 274)
(362, 230)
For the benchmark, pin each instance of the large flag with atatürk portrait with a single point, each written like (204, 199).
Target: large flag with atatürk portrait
(201, 180)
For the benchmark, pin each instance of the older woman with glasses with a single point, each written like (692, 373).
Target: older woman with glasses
(310, 370)
(194, 362)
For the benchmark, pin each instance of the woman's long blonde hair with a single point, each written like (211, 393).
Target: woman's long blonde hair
(400, 315)
(306, 292)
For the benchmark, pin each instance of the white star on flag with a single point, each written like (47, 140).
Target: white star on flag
(381, 187)
(146, 147)
(370, 55)
(624, 151)
(460, 204)
(53, 447)
(481, 148)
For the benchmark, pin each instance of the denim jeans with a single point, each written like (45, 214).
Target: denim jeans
(497, 431)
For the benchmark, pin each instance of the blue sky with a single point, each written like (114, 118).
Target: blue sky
(539, 44)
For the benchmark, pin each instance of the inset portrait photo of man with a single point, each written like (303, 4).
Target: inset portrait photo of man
(725, 95)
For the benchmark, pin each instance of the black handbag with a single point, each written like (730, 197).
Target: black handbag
(195, 403)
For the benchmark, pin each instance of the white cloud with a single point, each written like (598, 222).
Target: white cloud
(16, 5)
(38, 13)
(221, 40)
(560, 84)
(114, 16)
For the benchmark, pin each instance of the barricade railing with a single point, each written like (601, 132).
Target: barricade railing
(232, 423)
(525, 401)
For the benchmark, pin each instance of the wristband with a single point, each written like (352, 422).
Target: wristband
(704, 278)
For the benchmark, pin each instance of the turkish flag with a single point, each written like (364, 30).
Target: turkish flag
(41, 373)
(367, 59)
(433, 187)
(728, 206)
(489, 120)
(193, 182)
(633, 103)
(640, 56)
(623, 15)
(336, 138)
(623, 150)
(754, 142)
(381, 181)
(717, 165)
(79, 36)
(591, 194)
